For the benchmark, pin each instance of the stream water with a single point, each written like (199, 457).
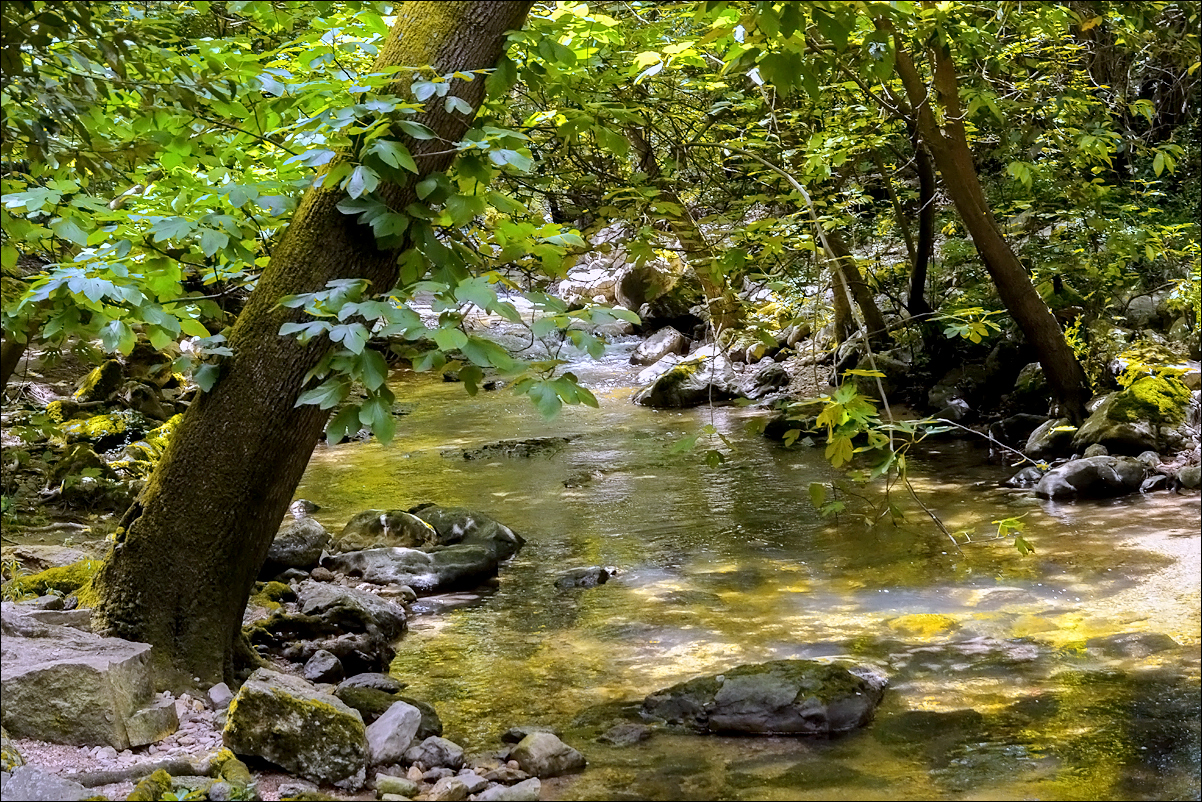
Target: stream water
(1045, 676)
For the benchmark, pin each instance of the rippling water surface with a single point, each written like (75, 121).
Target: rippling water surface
(1006, 678)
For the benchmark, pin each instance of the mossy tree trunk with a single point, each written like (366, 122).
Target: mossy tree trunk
(189, 550)
(948, 144)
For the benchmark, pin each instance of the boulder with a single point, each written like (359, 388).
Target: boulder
(650, 374)
(34, 784)
(665, 341)
(390, 784)
(766, 380)
(10, 758)
(374, 529)
(782, 697)
(1190, 477)
(100, 384)
(1144, 416)
(323, 666)
(589, 577)
(392, 733)
(470, 528)
(637, 285)
(36, 558)
(963, 382)
(1052, 438)
(1027, 477)
(455, 568)
(298, 544)
(525, 791)
(1093, 477)
(351, 610)
(436, 752)
(154, 723)
(64, 685)
(627, 733)
(287, 721)
(543, 755)
(1030, 393)
(448, 789)
(704, 377)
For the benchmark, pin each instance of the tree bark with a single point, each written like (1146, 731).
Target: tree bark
(11, 351)
(845, 263)
(949, 149)
(723, 306)
(916, 303)
(190, 548)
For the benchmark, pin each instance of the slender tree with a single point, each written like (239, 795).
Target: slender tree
(189, 549)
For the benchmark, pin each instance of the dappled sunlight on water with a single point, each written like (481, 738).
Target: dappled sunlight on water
(997, 690)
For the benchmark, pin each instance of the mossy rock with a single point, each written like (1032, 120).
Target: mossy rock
(271, 595)
(1138, 418)
(61, 411)
(107, 431)
(10, 758)
(63, 580)
(100, 383)
(154, 787)
(1157, 399)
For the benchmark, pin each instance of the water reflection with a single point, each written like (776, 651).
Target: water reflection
(1002, 681)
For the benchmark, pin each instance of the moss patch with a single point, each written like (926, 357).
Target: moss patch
(923, 625)
(1157, 399)
(63, 580)
(100, 383)
(156, 786)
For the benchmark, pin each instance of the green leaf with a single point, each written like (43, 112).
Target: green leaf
(172, 228)
(373, 370)
(416, 130)
(839, 450)
(453, 103)
(392, 153)
(69, 230)
(192, 327)
(344, 424)
(463, 208)
(362, 181)
(212, 241)
(326, 395)
(206, 376)
(117, 336)
(450, 339)
(817, 494)
(353, 336)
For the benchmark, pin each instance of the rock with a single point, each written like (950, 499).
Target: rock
(1093, 477)
(963, 383)
(525, 791)
(507, 775)
(298, 544)
(436, 752)
(373, 529)
(1149, 458)
(1096, 450)
(513, 449)
(323, 667)
(474, 782)
(448, 789)
(401, 786)
(1052, 438)
(1138, 419)
(1190, 477)
(544, 755)
(514, 735)
(628, 733)
(766, 380)
(1015, 430)
(220, 696)
(589, 577)
(297, 789)
(35, 559)
(287, 721)
(1027, 477)
(458, 525)
(704, 377)
(66, 686)
(435, 774)
(36, 785)
(152, 724)
(665, 341)
(80, 618)
(650, 374)
(1030, 393)
(10, 758)
(155, 786)
(782, 697)
(302, 508)
(1132, 644)
(350, 610)
(458, 567)
(391, 734)
(107, 431)
(100, 384)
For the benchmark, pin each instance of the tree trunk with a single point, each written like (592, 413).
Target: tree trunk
(11, 352)
(916, 303)
(723, 306)
(845, 263)
(189, 550)
(949, 148)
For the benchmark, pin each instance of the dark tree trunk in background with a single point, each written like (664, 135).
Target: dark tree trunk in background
(189, 550)
(949, 149)
(917, 304)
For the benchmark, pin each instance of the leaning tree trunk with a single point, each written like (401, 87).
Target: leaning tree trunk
(189, 550)
(949, 148)
(845, 263)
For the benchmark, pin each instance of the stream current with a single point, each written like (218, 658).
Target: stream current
(1046, 676)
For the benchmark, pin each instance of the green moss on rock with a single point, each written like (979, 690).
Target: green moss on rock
(1157, 399)
(154, 787)
(62, 580)
(100, 383)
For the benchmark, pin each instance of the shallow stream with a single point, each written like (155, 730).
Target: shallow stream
(1007, 679)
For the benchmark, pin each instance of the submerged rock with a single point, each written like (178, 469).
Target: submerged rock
(782, 697)
(455, 568)
(589, 577)
(287, 721)
(1093, 477)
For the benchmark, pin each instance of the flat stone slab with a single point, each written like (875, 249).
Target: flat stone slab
(65, 685)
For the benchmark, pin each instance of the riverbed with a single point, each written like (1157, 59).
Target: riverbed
(1069, 673)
